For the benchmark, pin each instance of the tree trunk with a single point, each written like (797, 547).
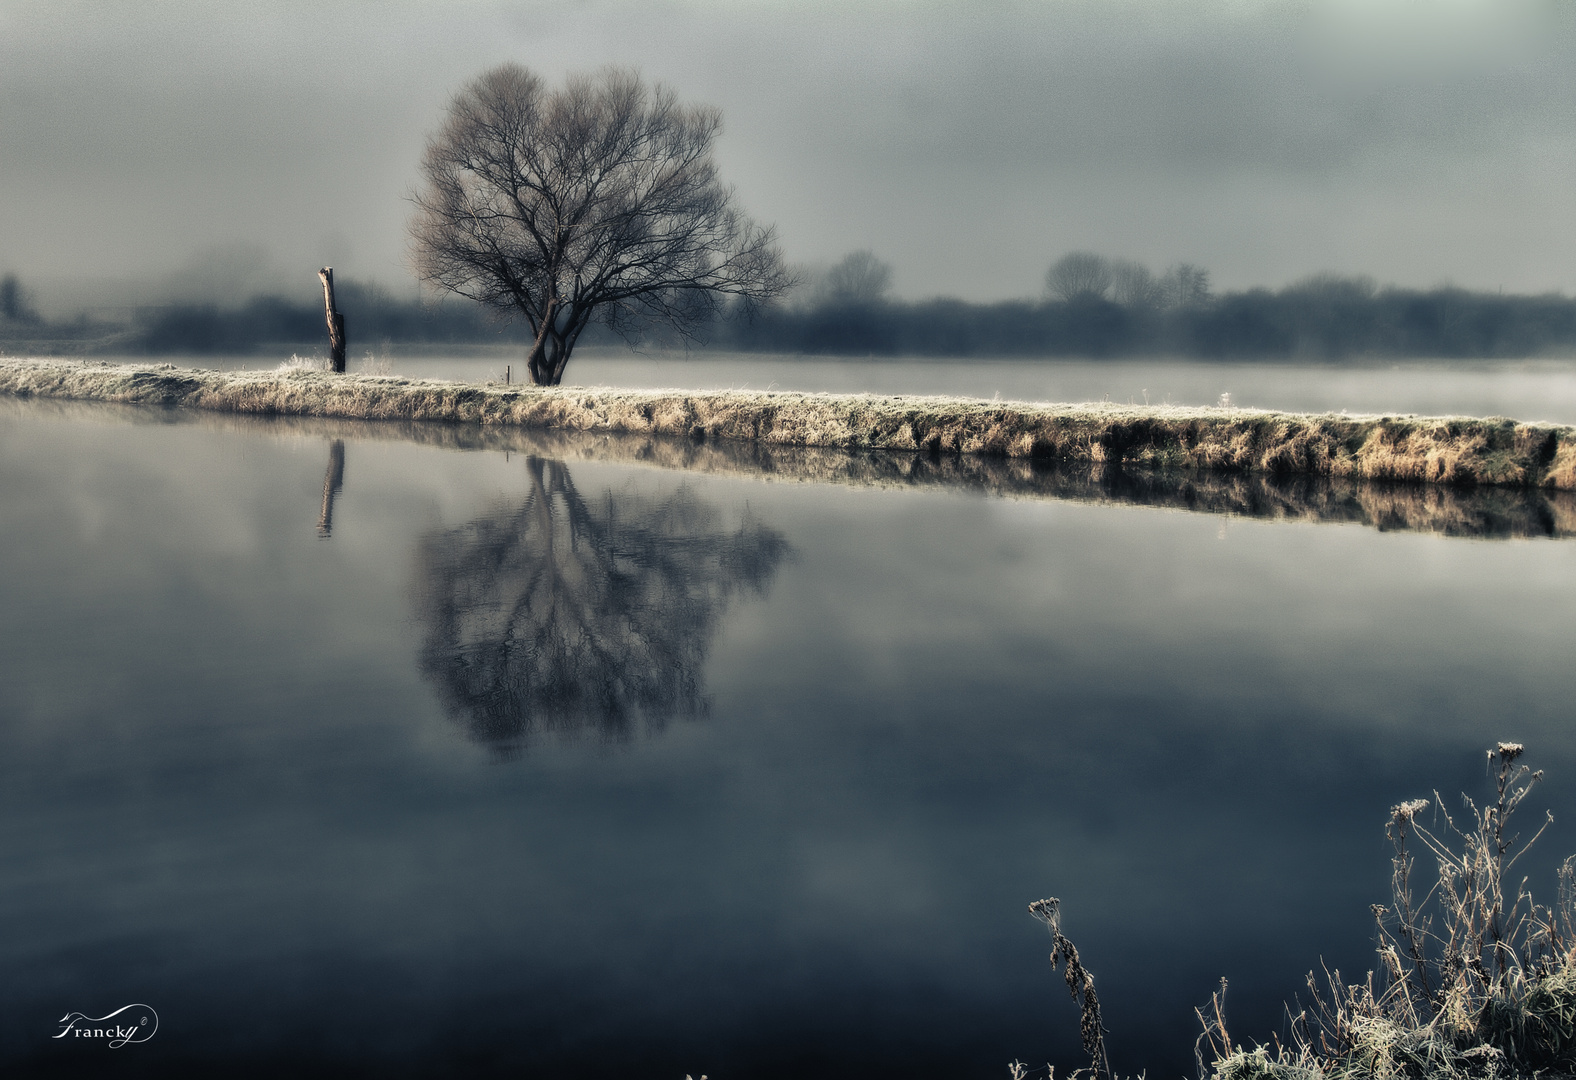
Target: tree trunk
(564, 340)
(336, 321)
(542, 374)
(561, 348)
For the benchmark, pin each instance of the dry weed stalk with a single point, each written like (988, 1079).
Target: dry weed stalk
(1080, 983)
(1475, 978)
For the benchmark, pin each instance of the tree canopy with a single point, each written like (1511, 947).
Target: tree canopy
(599, 199)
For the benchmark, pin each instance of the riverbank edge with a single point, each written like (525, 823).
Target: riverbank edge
(1439, 450)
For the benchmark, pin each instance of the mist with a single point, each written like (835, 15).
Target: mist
(1091, 306)
(143, 148)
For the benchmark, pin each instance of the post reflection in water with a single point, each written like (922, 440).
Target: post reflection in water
(333, 483)
(565, 614)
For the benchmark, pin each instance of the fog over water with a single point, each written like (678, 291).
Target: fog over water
(188, 147)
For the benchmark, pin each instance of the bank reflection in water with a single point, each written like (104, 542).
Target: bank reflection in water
(566, 613)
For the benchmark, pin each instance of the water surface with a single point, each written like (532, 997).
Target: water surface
(403, 758)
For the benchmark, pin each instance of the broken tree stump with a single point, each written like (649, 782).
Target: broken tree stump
(336, 322)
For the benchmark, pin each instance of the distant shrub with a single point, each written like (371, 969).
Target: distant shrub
(15, 305)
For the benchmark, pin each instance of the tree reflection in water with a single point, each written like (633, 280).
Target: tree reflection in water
(563, 614)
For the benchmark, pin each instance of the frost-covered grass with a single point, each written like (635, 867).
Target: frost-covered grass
(1442, 509)
(1446, 450)
(301, 363)
(1474, 980)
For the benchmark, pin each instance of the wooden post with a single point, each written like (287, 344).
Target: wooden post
(336, 321)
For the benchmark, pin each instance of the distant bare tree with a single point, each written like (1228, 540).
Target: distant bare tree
(1185, 286)
(1335, 288)
(860, 278)
(598, 199)
(1134, 286)
(1080, 275)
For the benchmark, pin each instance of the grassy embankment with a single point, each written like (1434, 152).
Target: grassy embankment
(1484, 513)
(1449, 450)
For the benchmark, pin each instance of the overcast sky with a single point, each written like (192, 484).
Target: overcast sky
(969, 144)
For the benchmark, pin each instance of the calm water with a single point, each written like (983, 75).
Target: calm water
(350, 753)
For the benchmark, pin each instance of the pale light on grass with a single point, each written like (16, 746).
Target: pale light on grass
(302, 363)
(372, 364)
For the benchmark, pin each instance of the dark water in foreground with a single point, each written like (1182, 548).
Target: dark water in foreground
(558, 764)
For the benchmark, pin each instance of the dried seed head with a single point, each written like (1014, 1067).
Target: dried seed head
(1508, 751)
(1048, 911)
(1405, 812)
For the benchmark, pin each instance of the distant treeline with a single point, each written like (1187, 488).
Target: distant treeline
(373, 318)
(376, 319)
(1102, 307)
(1091, 306)
(1327, 319)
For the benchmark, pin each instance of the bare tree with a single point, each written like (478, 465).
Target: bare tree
(1135, 287)
(1080, 275)
(860, 278)
(599, 199)
(1185, 286)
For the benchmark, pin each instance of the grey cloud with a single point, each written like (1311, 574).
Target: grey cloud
(968, 144)
(1276, 88)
